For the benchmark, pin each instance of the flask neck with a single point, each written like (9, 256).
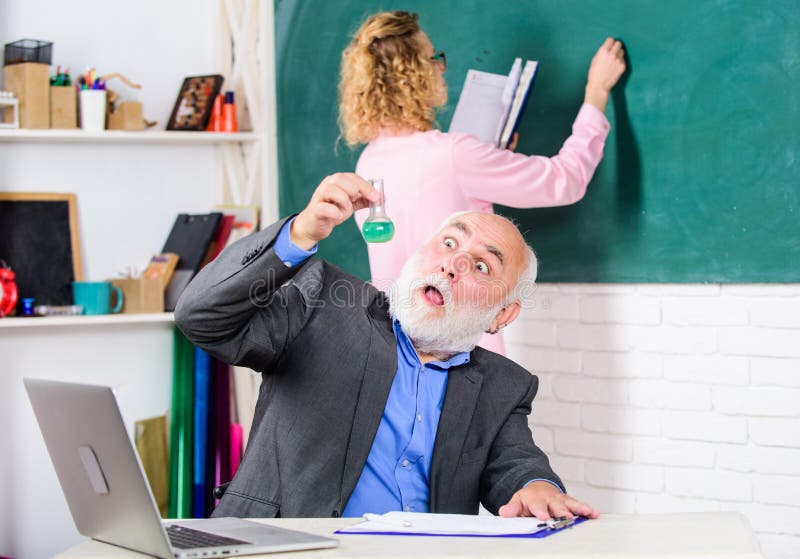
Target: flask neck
(378, 209)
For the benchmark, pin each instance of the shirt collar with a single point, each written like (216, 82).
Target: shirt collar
(408, 351)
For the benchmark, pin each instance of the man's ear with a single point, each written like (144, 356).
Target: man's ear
(506, 316)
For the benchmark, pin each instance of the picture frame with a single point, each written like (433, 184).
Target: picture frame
(192, 109)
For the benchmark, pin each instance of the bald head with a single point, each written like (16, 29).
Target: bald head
(504, 242)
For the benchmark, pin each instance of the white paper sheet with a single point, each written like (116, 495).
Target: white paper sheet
(480, 106)
(445, 524)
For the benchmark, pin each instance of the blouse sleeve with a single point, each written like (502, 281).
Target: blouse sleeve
(513, 179)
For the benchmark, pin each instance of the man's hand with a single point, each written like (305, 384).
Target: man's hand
(333, 202)
(608, 65)
(543, 500)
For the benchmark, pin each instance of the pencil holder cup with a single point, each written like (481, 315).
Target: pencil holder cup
(93, 109)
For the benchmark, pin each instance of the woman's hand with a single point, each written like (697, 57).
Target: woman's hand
(608, 64)
(512, 145)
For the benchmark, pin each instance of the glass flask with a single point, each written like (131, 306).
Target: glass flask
(378, 228)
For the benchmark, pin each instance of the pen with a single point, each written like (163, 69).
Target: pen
(556, 523)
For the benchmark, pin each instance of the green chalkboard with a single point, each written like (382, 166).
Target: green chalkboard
(701, 176)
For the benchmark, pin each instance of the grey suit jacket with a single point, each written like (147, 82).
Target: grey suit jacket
(324, 342)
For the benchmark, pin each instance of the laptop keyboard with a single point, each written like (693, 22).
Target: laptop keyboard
(187, 538)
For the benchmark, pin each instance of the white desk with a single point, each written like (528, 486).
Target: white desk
(662, 536)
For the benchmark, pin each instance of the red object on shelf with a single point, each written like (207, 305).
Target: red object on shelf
(8, 291)
(229, 123)
(215, 122)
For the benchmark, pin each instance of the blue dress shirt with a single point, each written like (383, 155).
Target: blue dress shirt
(397, 473)
(290, 254)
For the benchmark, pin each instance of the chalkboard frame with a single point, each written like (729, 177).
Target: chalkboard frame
(71, 201)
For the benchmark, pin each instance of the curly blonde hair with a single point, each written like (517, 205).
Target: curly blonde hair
(387, 80)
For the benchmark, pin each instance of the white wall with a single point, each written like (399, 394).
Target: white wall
(671, 398)
(128, 197)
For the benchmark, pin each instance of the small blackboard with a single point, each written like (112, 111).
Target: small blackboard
(39, 241)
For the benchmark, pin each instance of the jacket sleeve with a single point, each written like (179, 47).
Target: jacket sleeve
(514, 458)
(500, 176)
(242, 307)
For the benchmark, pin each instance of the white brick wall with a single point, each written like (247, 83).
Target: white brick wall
(669, 398)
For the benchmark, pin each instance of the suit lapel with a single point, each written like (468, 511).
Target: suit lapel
(463, 388)
(379, 374)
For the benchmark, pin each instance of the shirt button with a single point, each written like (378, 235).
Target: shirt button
(408, 508)
(404, 463)
(287, 263)
(419, 418)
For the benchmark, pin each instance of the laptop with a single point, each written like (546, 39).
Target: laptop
(108, 493)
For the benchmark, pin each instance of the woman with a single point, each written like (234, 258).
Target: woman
(391, 86)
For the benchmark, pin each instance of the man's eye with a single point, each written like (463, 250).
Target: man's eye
(449, 243)
(482, 267)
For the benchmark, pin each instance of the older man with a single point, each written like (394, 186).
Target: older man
(373, 402)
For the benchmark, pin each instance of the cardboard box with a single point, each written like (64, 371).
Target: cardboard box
(9, 112)
(141, 295)
(127, 116)
(63, 107)
(30, 83)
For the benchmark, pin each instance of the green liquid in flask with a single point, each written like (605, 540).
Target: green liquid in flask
(378, 228)
(378, 231)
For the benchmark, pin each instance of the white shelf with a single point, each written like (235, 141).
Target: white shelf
(125, 137)
(94, 320)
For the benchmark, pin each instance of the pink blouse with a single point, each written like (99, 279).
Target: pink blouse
(430, 175)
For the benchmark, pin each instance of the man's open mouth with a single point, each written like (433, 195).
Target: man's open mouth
(433, 296)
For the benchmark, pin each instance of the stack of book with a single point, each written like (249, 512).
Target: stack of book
(490, 105)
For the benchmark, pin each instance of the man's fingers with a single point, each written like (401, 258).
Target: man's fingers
(558, 510)
(539, 509)
(608, 43)
(360, 204)
(580, 509)
(355, 186)
(544, 501)
(511, 509)
(326, 210)
(338, 197)
(366, 190)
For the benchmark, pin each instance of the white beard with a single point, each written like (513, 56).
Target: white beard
(455, 332)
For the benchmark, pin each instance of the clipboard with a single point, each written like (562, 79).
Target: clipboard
(189, 238)
(457, 525)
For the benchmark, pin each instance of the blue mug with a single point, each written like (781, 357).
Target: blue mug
(95, 296)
